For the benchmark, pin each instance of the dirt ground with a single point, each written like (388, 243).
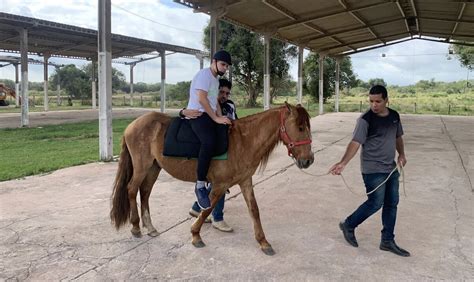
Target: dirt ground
(56, 226)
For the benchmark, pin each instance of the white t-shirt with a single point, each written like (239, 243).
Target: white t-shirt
(205, 81)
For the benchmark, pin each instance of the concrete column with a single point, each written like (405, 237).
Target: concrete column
(94, 87)
(132, 66)
(163, 81)
(299, 85)
(213, 29)
(17, 86)
(336, 87)
(201, 61)
(25, 122)
(266, 72)
(105, 81)
(321, 80)
(45, 83)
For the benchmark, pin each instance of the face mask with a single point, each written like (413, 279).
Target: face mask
(219, 73)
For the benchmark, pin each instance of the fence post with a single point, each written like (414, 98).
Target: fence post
(449, 109)
(124, 100)
(415, 107)
(360, 106)
(141, 100)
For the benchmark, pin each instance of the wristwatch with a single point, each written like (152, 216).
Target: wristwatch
(181, 113)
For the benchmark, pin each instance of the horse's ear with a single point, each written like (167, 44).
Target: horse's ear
(288, 106)
(298, 105)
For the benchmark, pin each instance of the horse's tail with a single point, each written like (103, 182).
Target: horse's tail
(120, 211)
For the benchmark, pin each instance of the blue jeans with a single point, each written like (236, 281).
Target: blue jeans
(217, 212)
(386, 196)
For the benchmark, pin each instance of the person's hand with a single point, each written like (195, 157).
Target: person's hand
(222, 120)
(192, 114)
(402, 161)
(337, 168)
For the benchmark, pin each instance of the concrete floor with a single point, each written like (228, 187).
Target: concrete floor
(56, 226)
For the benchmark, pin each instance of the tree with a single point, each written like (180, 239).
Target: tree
(73, 80)
(180, 91)
(376, 81)
(311, 75)
(246, 49)
(465, 55)
(118, 78)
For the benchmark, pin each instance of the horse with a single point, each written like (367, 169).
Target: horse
(251, 141)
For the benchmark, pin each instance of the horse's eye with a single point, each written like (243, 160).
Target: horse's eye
(301, 128)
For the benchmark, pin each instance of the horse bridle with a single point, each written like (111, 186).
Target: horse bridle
(286, 139)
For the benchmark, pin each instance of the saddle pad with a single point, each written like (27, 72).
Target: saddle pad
(180, 140)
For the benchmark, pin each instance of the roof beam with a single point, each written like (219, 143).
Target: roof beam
(317, 37)
(318, 16)
(461, 11)
(450, 42)
(354, 15)
(447, 20)
(415, 12)
(377, 47)
(357, 42)
(403, 15)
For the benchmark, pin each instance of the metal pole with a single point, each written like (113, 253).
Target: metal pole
(24, 77)
(45, 84)
(338, 64)
(105, 81)
(266, 73)
(132, 66)
(321, 83)
(17, 86)
(299, 86)
(58, 87)
(163, 81)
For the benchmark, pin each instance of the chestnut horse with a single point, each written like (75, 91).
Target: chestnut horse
(251, 140)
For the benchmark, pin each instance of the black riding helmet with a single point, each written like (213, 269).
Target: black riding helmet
(222, 55)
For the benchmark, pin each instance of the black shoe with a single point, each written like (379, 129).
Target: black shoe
(348, 234)
(392, 247)
(202, 198)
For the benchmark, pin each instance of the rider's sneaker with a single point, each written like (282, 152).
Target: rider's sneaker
(195, 213)
(202, 198)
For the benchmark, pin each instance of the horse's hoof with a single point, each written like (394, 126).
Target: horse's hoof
(268, 251)
(199, 244)
(153, 233)
(137, 234)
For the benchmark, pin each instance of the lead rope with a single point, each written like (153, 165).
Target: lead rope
(398, 167)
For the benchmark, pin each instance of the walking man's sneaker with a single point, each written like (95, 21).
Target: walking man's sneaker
(348, 234)
(222, 226)
(392, 247)
(202, 198)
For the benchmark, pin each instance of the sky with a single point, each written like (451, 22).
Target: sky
(168, 22)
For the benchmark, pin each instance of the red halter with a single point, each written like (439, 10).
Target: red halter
(286, 139)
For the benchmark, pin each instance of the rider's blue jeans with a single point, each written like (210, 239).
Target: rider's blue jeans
(217, 212)
(386, 196)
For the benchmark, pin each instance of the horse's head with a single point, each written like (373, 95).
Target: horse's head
(295, 132)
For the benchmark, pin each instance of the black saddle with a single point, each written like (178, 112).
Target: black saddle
(180, 140)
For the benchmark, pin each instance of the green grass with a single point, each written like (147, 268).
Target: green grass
(43, 149)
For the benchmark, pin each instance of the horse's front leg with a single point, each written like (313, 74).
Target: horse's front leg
(249, 196)
(215, 195)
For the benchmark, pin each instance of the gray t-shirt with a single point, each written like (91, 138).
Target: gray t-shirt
(378, 136)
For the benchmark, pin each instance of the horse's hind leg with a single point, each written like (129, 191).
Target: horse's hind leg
(249, 196)
(145, 191)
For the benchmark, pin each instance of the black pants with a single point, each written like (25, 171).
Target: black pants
(205, 129)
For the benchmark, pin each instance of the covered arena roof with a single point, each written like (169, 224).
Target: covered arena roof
(61, 40)
(337, 27)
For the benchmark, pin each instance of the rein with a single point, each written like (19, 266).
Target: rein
(286, 139)
(398, 167)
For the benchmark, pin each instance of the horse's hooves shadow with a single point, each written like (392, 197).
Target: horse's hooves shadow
(199, 244)
(153, 233)
(268, 251)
